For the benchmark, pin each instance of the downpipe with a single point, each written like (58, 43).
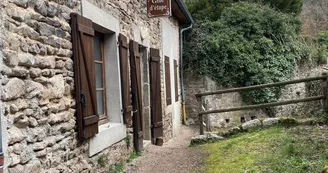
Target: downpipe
(183, 97)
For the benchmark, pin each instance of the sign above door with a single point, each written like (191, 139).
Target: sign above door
(158, 8)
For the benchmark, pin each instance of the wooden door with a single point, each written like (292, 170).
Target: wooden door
(136, 95)
(155, 98)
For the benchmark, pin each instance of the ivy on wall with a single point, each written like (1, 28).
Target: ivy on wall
(249, 44)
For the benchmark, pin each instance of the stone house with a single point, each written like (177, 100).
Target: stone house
(86, 79)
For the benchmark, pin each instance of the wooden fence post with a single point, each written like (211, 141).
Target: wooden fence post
(207, 119)
(208, 123)
(325, 92)
(200, 116)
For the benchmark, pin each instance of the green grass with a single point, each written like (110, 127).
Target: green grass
(274, 150)
(102, 160)
(119, 167)
(116, 168)
(134, 155)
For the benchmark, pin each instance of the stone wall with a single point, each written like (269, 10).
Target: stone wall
(37, 83)
(133, 16)
(38, 88)
(2, 106)
(130, 27)
(302, 90)
(146, 95)
(227, 119)
(195, 84)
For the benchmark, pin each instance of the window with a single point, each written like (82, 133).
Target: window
(100, 76)
(97, 78)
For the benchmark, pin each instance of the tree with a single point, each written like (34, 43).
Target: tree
(212, 9)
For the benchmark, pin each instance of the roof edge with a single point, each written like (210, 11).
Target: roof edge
(185, 11)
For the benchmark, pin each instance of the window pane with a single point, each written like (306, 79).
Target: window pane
(99, 73)
(97, 48)
(100, 102)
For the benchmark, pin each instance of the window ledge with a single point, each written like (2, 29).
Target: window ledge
(109, 134)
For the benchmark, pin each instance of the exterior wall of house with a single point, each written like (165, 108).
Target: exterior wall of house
(145, 94)
(170, 47)
(37, 83)
(2, 77)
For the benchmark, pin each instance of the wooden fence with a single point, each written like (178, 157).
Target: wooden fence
(202, 111)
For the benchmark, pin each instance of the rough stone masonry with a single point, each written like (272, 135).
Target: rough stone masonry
(195, 84)
(37, 84)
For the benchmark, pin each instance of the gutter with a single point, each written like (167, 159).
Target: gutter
(181, 73)
(190, 21)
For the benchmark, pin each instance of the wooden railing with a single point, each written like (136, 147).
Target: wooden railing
(202, 112)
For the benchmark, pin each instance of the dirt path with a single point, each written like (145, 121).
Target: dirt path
(173, 157)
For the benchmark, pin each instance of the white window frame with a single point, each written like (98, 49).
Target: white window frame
(113, 131)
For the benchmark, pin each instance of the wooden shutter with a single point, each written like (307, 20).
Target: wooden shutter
(167, 80)
(155, 98)
(85, 90)
(176, 80)
(2, 158)
(125, 80)
(136, 94)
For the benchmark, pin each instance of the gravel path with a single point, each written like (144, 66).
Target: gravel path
(173, 157)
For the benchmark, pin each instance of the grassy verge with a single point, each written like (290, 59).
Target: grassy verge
(116, 168)
(277, 149)
(119, 167)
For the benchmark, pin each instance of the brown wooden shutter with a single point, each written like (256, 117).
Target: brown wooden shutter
(125, 80)
(155, 98)
(167, 80)
(85, 90)
(176, 80)
(136, 94)
(2, 159)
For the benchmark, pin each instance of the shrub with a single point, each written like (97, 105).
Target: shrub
(286, 6)
(323, 38)
(288, 122)
(212, 9)
(208, 9)
(250, 44)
